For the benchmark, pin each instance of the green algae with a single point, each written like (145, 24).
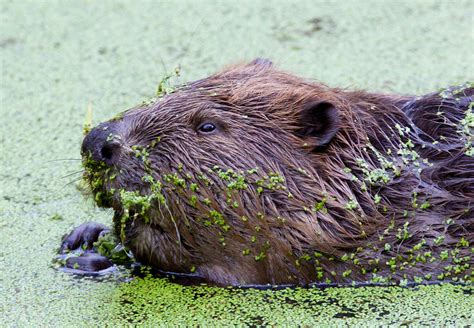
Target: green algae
(165, 86)
(468, 130)
(153, 301)
(110, 247)
(59, 57)
(87, 127)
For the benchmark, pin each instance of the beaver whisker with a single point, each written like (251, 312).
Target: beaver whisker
(73, 173)
(64, 159)
(71, 182)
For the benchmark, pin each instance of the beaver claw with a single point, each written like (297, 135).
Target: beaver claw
(77, 252)
(88, 263)
(83, 236)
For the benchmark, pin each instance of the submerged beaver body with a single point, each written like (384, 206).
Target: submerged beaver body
(254, 176)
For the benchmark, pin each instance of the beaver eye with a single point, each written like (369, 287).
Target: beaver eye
(207, 127)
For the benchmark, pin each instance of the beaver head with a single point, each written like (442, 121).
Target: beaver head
(255, 176)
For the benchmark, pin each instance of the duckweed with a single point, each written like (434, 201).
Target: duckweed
(164, 86)
(37, 294)
(467, 124)
(308, 307)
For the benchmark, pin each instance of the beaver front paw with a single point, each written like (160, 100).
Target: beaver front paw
(88, 263)
(77, 252)
(83, 236)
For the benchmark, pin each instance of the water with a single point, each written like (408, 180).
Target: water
(59, 57)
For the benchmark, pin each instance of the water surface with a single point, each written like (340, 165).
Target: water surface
(59, 57)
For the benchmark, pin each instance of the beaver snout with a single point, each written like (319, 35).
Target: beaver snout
(103, 144)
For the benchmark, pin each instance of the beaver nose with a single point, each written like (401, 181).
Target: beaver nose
(102, 144)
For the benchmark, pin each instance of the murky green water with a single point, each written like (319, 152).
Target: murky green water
(60, 56)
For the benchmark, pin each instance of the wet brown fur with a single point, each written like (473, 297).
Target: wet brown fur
(262, 122)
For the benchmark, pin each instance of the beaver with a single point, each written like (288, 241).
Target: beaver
(255, 176)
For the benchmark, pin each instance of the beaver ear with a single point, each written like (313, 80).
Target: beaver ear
(263, 63)
(319, 123)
